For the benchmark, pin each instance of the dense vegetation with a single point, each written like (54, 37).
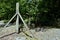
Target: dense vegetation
(39, 12)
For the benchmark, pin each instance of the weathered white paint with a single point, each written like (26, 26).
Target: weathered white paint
(17, 20)
(23, 21)
(17, 11)
(17, 23)
(17, 8)
(10, 21)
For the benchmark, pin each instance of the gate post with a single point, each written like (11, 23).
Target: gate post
(17, 24)
(17, 20)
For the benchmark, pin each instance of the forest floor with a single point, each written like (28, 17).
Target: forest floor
(9, 33)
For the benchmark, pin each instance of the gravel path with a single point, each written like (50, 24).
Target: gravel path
(49, 34)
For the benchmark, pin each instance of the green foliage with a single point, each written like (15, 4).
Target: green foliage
(42, 11)
(7, 8)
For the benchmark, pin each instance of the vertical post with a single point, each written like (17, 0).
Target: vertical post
(17, 20)
(17, 8)
(17, 24)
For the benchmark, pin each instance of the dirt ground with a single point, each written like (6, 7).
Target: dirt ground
(10, 33)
